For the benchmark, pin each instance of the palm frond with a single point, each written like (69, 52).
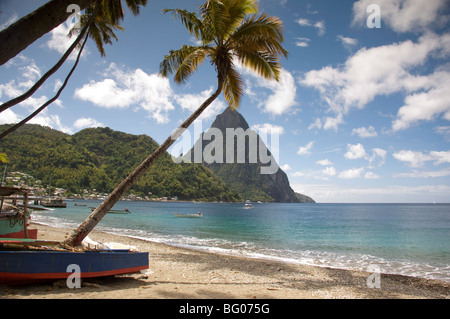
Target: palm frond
(227, 31)
(260, 34)
(183, 62)
(233, 88)
(265, 64)
(189, 19)
(134, 5)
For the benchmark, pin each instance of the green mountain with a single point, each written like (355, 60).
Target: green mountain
(100, 158)
(244, 176)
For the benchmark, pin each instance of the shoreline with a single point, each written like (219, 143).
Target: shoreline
(182, 273)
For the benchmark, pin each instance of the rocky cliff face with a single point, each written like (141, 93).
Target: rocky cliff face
(240, 158)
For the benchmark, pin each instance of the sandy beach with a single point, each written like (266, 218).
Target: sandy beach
(176, 273)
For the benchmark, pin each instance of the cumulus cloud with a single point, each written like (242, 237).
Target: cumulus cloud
(351, 173)
(86, 122)
(191, 102)
(347, 41)
(403, 15)
(60, 41)
(302, 42)
(355, 151)
(305, 150)
(325, 162)
(364, 132)
(329, 171)
(273, 97)
(418, 159)
(386, 70)
(124, 88)
(8, 117)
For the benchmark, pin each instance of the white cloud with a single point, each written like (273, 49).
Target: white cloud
(371, 175)
(319, 25)
(13, 18)
(85, 122)
(347, 41)
(52, 121)
(325, 162)
(418, 159)
(286, 167)
(283, 94)
(403, 15)
(329, 171)
(356, 151)
(363, 132)
(302, 42)
(60, 41)
(378, 153)
(351, 173)
(122, 89)
(427, 105)
(305, 150)
(192, 102)
(386, 70)
(8, 117)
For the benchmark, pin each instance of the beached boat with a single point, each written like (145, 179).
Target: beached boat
(14, 220)
(197, 215)
(115, 211)
(53, 202)
(18, 266)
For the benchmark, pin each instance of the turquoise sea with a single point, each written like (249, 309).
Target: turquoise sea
(408, 239)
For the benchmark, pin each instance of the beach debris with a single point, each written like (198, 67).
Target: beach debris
(88, 243)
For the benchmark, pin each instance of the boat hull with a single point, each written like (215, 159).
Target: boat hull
(18, 267)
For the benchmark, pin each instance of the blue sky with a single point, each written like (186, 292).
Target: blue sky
(363, 114)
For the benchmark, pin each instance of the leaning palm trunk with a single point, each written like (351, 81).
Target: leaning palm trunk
(94, 218)
(50, 72)
(25, 31)
(43, 106)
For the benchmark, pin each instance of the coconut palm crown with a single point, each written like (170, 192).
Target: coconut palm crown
(230, 32)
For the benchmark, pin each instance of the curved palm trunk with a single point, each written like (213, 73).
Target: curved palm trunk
(43, 106)
(25, 31)
(94, 218)
(50, 72)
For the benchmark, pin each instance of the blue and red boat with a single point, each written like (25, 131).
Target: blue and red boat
(25, 259)
(18, 267)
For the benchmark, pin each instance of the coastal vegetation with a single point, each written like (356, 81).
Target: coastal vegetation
(99, 158)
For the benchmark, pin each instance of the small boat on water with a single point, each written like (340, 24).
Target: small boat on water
(248, 206)
(115, 211)
(197, 215)
(53, 202)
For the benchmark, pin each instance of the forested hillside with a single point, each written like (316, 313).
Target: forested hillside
(99, 158)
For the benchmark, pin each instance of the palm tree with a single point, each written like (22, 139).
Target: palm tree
(99, 22)
(4, 158)
(28, 29)
(228, 30)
